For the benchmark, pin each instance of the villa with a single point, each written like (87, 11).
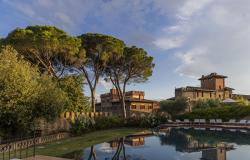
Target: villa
(135, 103)
(212, 87)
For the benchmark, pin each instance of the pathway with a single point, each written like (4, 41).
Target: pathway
(40, 157)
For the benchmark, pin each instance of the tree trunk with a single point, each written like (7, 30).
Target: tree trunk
(93, 99)
(123, 100)
(124, 106)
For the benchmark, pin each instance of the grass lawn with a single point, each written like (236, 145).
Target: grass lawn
(65, 147)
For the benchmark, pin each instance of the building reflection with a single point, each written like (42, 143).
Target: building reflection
(218, 153)
(131, 141)
(119, 145)
(196, 141)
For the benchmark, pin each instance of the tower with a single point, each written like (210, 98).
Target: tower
(213, 81)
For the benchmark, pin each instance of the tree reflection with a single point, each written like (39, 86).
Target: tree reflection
(92, 154)
(120, 149)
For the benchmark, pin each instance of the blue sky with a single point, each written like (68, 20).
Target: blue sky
(187, 38)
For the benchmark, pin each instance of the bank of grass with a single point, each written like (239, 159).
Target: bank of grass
(67, 146)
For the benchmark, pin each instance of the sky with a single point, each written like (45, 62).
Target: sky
(187, 38)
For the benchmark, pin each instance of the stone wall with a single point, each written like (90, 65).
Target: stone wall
(63, 123)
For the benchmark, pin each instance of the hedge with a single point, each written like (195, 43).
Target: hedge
(225, 113)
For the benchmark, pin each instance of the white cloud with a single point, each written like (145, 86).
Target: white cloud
(191, 7)
(177, 33)
(169, 43)
(216, 38)
(192, 62)
(24, 8)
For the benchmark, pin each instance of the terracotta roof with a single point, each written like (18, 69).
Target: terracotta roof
(191, 88)
(136, 100)
(211, 75)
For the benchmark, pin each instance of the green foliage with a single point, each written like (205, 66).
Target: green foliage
(133, 65)
(174, 107)
(1, 42)
(85, 124)
(98, 49)
(138, 65)
(241, 100)
(224, 112)
(82, 125)
(25, 95)
(149, 121)
(73, 87)
(46, 46)
(210, 103)
(109, 122)
(51, 100)
(152, 121)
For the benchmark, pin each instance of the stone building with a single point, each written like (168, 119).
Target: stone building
(135, 103)
(212, 87)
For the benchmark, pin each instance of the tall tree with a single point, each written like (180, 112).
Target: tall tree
(50, 48)
(1, 42)
(72, 85)
(98, 48)
(175, 107)
(133, 66)
(25, 94)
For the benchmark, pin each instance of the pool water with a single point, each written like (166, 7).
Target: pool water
(176, 144)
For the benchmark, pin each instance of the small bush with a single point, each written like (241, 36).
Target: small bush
(174, 107)
(82, 124)
(224, 112)
(108, 122)
(150, 121)
(210, 103)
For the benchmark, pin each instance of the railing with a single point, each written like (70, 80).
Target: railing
(17, 148)
(26, 147)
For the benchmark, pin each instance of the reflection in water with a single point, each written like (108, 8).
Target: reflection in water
(174, 144)
(92, 154)
(191, 141)
(214, 154)
(120, 150)
(120, 145)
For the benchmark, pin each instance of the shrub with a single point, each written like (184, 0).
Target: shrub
(174, 107)
(224, 112)
(150, 121)
(108, 122)
(210, 103)
(153, 120)
(82, 124)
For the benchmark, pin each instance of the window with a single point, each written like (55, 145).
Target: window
(202, 94)
(150, 107)
(142, 106)
(133, 107)
(197, 94)
(210, 95)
